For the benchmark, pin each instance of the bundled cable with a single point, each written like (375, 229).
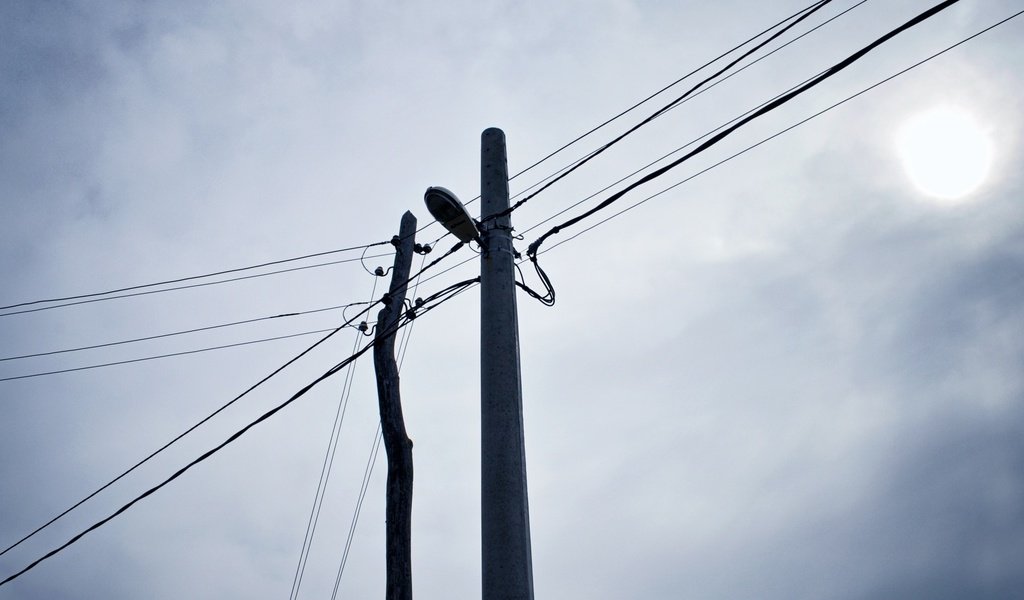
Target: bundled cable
(440, 297)
(765, 109)
(805, 14)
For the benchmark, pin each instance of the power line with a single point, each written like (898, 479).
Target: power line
(184, 433)
(193, 285)
(403, 343)
(192, 277)
(814, 8)
(371, 461)
(348, 322)
(675, 106)
(183, 332)
(168, 355)
(781, 100)
(664, 156)
(667, 87)
(786, 130)
(433, 263)
(441, 297)
(325, 469)
(640, 103)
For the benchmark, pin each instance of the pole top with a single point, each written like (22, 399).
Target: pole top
(493, 131)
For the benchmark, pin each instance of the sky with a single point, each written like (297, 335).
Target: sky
(795, 376)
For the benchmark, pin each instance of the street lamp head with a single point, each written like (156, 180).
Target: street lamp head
(446, 208)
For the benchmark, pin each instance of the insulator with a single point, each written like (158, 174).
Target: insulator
(379, 271)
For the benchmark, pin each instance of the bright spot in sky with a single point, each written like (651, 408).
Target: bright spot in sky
(945, 153)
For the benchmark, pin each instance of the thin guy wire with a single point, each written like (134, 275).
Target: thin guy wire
(371, 462)
(403, 344)
(367, 473)
(325, 469)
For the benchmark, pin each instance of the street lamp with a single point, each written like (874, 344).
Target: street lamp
(446, 208)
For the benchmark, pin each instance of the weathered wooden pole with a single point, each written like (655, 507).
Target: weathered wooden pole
(396, 442)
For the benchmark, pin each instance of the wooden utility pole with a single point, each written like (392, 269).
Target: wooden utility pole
(396, 442)
(505, 511)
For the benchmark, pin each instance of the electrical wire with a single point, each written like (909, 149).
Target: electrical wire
(168, 355)
(328, 464)
(700, 92)
(371, 462)
(548, 299)
(551, 248)
(838, 67)
(183, 332)
(183, 434)
(550, 155)
(808, 12)
(403, 344)
(636, 105)
(788, 129)
(374, 450)
(190, 286)
(662, 90)
(346, 323)
(664, 156)
(192, 277)
(442, 296)
(458, 246)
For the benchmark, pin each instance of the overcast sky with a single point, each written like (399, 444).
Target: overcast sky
(796, 376)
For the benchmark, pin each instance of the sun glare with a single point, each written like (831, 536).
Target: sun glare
(946, 154)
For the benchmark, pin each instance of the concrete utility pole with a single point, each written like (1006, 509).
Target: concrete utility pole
(505, 513)
(396, 442)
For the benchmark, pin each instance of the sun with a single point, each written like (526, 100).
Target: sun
(945, 153)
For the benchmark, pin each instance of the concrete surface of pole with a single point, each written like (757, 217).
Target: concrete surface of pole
(505, 515)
